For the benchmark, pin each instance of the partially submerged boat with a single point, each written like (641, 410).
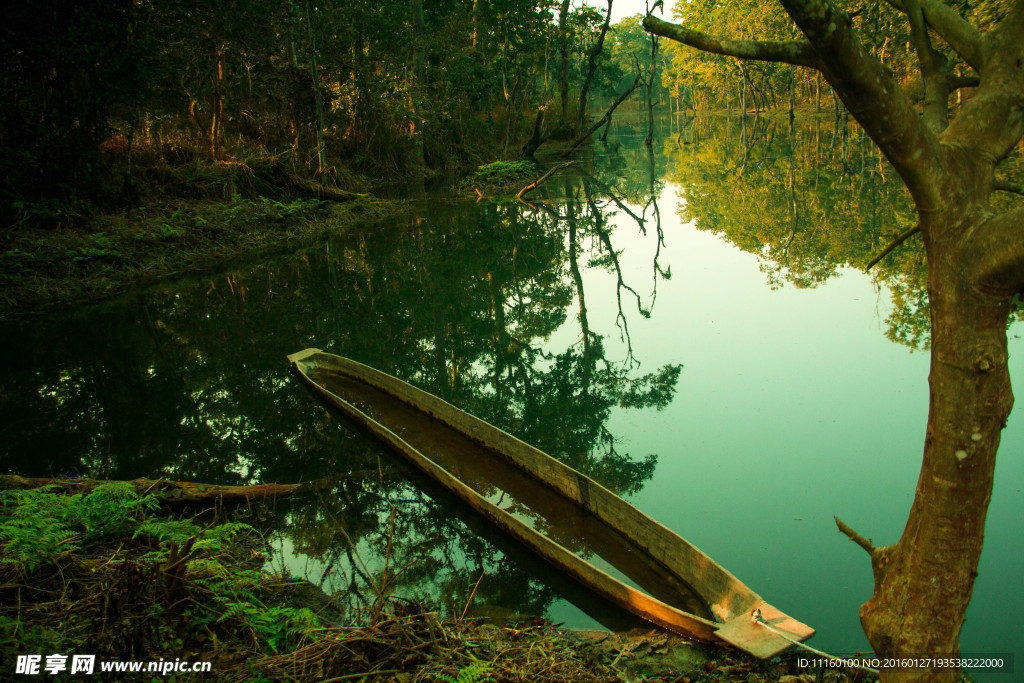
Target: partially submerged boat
(568, 519)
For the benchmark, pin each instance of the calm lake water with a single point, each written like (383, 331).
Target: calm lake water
(687, 326)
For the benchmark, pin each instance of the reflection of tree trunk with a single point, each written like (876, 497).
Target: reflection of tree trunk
(499, 338)
(440, 323)
(650, 85)
(792, 184)
(653, 202)
(605, 239)
(574, 268)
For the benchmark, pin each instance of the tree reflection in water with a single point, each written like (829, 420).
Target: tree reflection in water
(189, 382)
(809, 199)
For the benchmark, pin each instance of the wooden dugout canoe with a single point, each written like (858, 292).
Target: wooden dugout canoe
(571, 521)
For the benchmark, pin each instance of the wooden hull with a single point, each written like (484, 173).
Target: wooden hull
(593, 520)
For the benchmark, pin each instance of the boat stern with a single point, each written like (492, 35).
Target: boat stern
(764, 631)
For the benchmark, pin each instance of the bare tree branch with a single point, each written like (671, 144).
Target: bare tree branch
(798, 52)
(855, 537)
(1007, 186)
(904, 236)
(957, 82)
(551, 171)
(607, 116)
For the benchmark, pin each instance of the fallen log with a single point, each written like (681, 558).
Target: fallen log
(536, 183)
(178, 492)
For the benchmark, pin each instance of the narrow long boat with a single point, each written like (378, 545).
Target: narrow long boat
(571, 521)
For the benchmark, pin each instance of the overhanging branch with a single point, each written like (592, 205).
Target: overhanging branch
(798, 52)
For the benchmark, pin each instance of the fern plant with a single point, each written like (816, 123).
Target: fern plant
(38, 525)
(473, 673)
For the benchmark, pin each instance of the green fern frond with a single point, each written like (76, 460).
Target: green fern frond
(473, 673)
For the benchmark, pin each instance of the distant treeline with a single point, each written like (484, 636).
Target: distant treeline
(95, 95)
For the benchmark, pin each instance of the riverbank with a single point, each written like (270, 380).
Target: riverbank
(141, 579)
(42, 270)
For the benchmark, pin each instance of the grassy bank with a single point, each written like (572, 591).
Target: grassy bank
(42, 269)
(111, 573)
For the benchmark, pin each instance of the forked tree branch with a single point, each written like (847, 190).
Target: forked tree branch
(798, 52)
(935, 70)
(965, 39)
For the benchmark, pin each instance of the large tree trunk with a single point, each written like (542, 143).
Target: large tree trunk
(923, 583)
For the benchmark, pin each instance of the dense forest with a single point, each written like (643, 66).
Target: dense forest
(348, 93)
(259, 113)
(140, 95)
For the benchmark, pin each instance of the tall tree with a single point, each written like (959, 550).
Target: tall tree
(592, 54)
(923, 582)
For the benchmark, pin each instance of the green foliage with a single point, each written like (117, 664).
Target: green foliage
(500, 172)
(99, 246)
(235, 597)
(37, 526)
(472, 673)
